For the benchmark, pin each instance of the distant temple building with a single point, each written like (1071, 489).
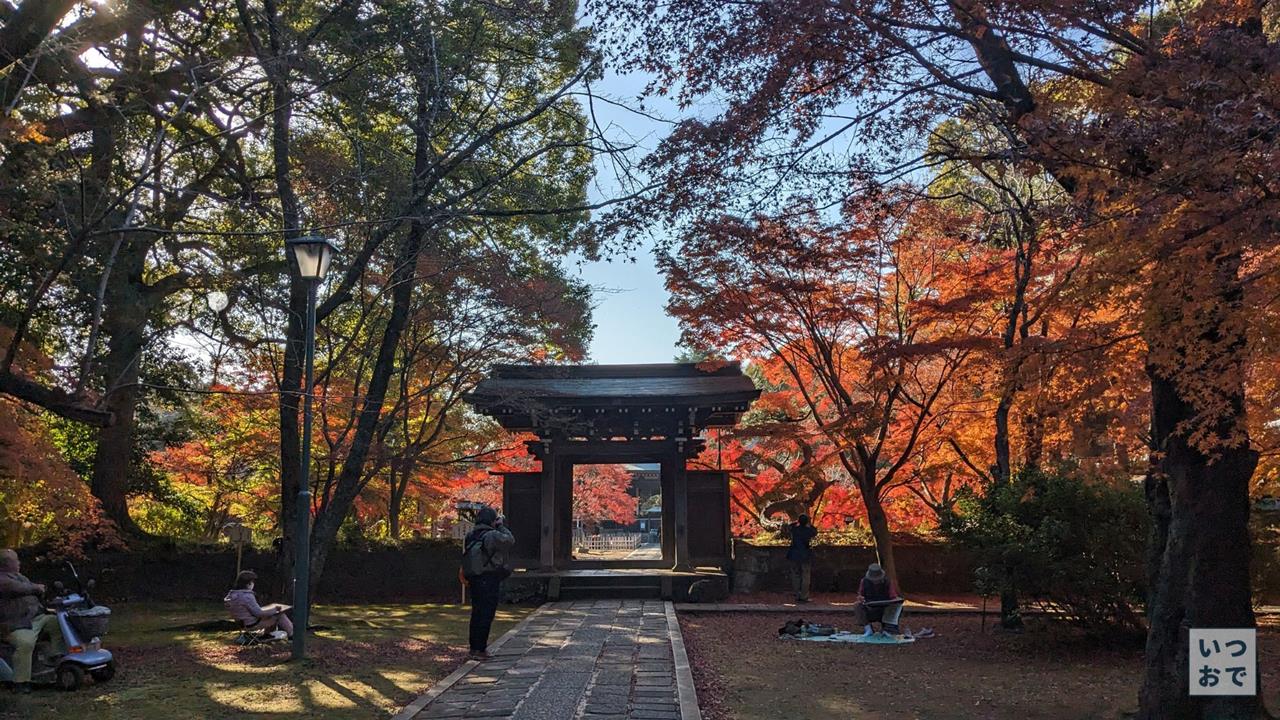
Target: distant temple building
(646, 488)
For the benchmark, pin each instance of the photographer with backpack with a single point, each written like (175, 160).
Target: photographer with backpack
(484, 567)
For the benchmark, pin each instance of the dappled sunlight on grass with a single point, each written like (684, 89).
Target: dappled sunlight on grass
(369, 662)
(347, 692)
(403, 679)
(252, 699)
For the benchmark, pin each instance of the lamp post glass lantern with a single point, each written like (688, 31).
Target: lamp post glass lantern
(312, 255)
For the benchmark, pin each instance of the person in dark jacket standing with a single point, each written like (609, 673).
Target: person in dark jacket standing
(801, 556)
(484, 567)
(22, 618)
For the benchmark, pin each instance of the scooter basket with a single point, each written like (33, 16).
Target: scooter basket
(90, 623)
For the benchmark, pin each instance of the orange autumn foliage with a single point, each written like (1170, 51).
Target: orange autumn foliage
(41, 499)
(600, 493)
(227, 472)
(845, 321)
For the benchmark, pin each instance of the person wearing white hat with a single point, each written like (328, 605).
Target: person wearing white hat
(878, 601)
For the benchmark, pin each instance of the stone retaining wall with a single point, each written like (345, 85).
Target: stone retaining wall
(922, 568)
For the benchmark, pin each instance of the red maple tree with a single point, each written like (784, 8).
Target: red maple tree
(600, 492)
(842, 319)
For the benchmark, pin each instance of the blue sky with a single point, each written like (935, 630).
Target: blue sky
(631, 325)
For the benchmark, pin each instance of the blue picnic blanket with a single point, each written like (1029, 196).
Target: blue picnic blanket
(878, 638)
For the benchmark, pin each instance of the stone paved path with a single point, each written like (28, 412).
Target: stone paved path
(588, 660)
(646, 552)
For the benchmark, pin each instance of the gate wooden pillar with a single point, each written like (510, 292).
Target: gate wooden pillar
(550, 540)
(680, 503)
(667, 470)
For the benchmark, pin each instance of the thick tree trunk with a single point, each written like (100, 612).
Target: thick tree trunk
(125, 305)
(1200, 557)
(862, 467)
(27, 27)
(1010, 613)
(112, 458)
(1001, 473)
(1199, 502)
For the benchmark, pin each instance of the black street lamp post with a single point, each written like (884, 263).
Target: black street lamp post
(312, 255)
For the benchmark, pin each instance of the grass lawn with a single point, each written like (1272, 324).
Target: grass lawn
(373, 660)
(744, 672)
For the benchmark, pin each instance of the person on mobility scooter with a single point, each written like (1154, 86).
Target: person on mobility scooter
(22, 618)
(74, 626)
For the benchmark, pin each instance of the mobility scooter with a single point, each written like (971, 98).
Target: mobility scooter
(83, 625)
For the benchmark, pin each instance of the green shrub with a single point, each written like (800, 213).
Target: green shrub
(1071, 545)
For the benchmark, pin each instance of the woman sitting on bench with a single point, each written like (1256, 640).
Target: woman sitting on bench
(244, 608)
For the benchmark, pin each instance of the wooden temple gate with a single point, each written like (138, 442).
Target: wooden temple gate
(603, 414)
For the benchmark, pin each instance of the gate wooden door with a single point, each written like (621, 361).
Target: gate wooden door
(522, 505)
(708, 493)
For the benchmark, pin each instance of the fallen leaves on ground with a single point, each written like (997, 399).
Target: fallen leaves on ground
(744, 672)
